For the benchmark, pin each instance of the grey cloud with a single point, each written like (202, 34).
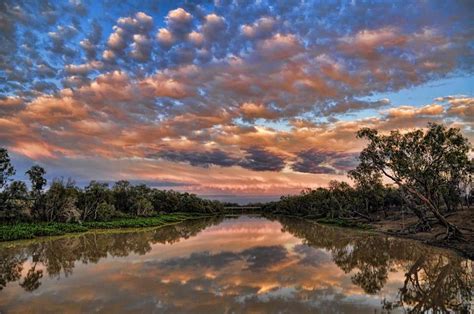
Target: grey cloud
(260, 159)
(353, 105)
(255, 158)
(201, 159)
(256, 258)
(323, 162)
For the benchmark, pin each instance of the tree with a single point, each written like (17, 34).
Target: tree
(369, 190)
(38, 182)
(422, 164)
(60, 202)
(6, 168)
(141, 197)
(341, 198)
(121, 192)
(16, 201)
(95, 202)
(36, 176)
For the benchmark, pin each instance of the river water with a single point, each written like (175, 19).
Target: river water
(232, 265)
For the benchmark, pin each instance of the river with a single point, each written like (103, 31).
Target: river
(232, 265)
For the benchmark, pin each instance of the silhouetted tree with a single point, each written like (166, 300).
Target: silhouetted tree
(423, 164)
(6, 168)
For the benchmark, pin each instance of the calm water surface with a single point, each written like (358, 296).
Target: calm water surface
(232, 265)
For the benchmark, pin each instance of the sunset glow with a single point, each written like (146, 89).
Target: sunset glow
(237, 98)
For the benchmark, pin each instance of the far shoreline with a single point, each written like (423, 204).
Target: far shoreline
(12, 233)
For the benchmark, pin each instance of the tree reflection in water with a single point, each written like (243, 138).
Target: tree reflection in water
(59, 256)
(435, 280)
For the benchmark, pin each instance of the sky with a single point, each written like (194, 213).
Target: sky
(235, 100)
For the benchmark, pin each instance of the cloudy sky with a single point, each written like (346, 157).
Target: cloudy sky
(238, 98)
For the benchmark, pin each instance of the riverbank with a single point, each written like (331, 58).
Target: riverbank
(21, 231)
(398, 223)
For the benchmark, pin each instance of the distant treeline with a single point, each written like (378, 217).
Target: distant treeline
(429, 171)
(63, 201)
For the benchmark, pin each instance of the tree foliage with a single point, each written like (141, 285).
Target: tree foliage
(63, 201)
(6, 168)
(429, 171)
(428, 166)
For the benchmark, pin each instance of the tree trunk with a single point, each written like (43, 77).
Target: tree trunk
(362, 215)
(451, 230)
(423, 224)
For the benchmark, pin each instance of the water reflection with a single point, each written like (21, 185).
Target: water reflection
(235, 265)
(435, 280)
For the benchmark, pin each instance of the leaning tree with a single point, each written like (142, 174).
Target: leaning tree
(426, 165)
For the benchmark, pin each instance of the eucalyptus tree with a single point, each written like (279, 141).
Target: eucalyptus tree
(6, 168)
(96, 202)
(122, 192)
(36, 175)
(16, 201)
(424, 164)
(370, 191)
(6, 172)
(60, 202)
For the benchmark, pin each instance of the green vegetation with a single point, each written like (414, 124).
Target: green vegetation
(138, 222)
(430, 174)
(65, 208)
(22, 230)
(65, 202)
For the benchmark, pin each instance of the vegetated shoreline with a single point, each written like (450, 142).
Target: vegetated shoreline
(35, 230)
(389, 226)
(435, 237)
(394, 226)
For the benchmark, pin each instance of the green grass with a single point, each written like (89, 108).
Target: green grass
(32, 230)
(18, 231)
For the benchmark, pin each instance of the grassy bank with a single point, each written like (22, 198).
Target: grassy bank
(18, 231)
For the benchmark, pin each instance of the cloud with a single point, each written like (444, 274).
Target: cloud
(262, 89)
(261, 28)
(179, 22)
(366, 43)
(251, 111)
(196, 158)
(257, 259)
(165, 38)
(311, 161)
(141, 23)
(409, 111)
(214, 26)
(83, 69)
(117, 40)
(141, 47)
(459, 106)
(279, 46)
(255, 158)
(131, 32)
(10, 105)
(196, 38)
(259, 159)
